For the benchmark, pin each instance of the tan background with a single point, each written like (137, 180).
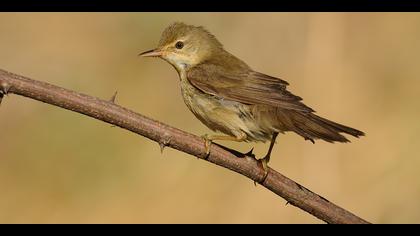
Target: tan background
(359, 69)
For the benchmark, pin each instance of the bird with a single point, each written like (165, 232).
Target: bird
(231, 98)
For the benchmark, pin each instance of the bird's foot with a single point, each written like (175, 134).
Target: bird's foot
(264, 163)
(207, 144)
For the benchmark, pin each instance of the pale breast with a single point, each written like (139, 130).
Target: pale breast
(222, 115)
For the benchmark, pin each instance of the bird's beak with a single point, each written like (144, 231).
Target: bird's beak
(151, 53)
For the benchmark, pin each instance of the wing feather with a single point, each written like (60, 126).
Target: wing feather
(244, 85)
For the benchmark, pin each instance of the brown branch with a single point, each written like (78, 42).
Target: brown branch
(165, 135)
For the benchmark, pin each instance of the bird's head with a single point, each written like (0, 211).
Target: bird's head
(184, 46)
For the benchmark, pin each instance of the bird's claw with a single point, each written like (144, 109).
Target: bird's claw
(207, 144)
(264, 163)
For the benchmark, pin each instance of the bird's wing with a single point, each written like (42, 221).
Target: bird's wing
(244, 86)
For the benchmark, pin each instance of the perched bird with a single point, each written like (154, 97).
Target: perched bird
(228, 96)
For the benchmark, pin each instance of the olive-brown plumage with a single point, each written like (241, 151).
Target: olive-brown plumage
(228, 96)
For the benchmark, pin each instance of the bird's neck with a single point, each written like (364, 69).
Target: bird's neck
(182, 74)
(181, 69)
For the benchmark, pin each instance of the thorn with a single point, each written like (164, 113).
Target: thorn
(255, 183)
(287, 203)
(162, 147)
(164, 142)
(4, 88)
(250, 153)
(113, 97)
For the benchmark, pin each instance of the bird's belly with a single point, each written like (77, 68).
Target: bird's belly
(229, 117)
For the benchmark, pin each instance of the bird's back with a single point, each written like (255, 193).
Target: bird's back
(269, 105)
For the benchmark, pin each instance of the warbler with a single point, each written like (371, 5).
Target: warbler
(228, 96)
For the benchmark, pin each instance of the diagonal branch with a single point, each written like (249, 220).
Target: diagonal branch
(165, 135)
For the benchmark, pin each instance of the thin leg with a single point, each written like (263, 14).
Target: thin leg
(266, 159)
(210, 138)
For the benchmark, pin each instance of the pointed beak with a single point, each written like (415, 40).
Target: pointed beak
(151, 53)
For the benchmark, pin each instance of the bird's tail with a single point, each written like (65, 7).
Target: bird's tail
(311, 127)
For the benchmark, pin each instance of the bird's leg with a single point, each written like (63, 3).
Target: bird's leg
(208, 139)
(266, 159)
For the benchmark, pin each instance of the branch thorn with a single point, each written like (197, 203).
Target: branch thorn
(4, 89)
(113, 97)
(250, 154)
(164, 142)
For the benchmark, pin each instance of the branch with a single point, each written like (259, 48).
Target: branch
(165, 135)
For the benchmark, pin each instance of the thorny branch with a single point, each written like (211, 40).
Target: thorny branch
(107, 111)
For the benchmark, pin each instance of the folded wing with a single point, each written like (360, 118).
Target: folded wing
(245, 86)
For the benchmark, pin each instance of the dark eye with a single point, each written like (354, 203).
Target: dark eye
(179, 45)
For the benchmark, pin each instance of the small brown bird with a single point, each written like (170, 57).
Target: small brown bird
(228, 96)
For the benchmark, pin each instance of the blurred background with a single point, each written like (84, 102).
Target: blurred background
(359, 69)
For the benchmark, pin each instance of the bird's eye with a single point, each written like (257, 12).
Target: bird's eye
(179, 45)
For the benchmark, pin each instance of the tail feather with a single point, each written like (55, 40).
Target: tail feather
(311, 127)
